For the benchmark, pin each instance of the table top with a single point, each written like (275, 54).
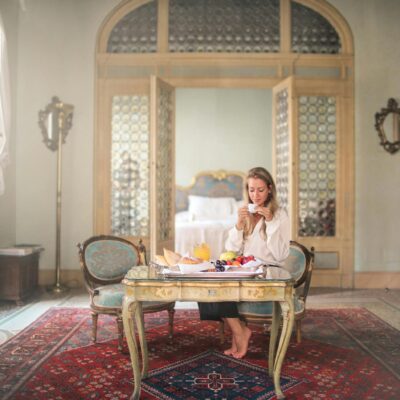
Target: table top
(155, 272)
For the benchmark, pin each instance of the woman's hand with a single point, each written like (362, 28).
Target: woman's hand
(265, 212)
(243, 214)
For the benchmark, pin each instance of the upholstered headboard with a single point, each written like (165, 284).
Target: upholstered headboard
(212, 184)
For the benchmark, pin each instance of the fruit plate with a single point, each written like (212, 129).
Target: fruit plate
(191, 268)
(250, 265)
(214, 275)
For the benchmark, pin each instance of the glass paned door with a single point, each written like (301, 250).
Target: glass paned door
(282, 139)
(122, 162)
(311, 182)
(162, 166)
(130, 166)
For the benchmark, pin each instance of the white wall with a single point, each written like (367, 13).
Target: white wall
(56, 47)
(9, 15)
(56, 42)
(375, 25)
(222, 129)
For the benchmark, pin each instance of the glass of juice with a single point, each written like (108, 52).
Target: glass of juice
(202, 251)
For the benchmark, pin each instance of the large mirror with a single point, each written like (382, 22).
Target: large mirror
(387, 123)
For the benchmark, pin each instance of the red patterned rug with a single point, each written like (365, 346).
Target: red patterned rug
(345, 354)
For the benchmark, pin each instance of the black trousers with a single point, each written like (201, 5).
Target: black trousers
(217, 311)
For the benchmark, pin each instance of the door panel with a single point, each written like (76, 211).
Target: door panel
(122, 178)
(312, 182)
(283, 146)
(162, 166)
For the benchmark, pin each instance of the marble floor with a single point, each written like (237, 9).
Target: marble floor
(384, 303)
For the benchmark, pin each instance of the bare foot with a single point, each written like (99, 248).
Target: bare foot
(233, 349)
(242, 343)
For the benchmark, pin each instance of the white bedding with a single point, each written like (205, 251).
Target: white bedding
(214, 232)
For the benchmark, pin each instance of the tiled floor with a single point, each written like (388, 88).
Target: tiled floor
(384, 303)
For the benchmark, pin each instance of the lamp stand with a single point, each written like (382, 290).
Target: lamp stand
(55, 122)
(58, 287)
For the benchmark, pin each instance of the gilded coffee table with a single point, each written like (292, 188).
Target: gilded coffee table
(150, 284)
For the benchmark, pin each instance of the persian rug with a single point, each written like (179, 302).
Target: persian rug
(345, 354)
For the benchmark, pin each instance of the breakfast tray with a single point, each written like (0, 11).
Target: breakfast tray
(213, 275)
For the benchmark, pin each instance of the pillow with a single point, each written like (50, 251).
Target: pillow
(203, 208)
(182, 216)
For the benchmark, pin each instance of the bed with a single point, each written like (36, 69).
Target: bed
(207, 209)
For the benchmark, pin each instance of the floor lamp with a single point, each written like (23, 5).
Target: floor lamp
(55, 121)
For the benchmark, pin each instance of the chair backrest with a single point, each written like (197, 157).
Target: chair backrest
(300, 264)
(105, 259)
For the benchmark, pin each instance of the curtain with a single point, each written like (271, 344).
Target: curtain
(4, 105)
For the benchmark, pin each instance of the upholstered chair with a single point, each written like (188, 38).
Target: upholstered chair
(104, 261)
(300, 264)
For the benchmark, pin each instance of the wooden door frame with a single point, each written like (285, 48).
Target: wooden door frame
(111, 70)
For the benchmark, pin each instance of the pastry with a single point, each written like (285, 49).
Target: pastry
(171, 257)
(160, 260)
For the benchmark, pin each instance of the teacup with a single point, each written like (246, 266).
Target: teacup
(252, 208)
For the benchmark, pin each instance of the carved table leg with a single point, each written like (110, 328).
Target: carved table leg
(130, 310)
(287, 327)
(276, 319)
(139, 317)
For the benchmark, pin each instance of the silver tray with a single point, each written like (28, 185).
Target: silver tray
(214, 275)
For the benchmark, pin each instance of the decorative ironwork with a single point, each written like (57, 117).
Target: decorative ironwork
(317, 166)
(312, 33)
(130, 178)
(136, 32)
(238, 26)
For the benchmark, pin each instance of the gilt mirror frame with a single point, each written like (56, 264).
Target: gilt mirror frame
(55, 120)
(380, 117)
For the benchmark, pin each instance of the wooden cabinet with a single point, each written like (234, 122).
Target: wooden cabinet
(18, 276)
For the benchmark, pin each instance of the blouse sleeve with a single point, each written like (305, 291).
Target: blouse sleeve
(235, 240)
(278, 235)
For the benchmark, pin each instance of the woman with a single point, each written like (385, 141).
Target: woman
(264, 233)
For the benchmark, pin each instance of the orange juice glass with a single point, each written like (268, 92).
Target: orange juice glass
(202, 251)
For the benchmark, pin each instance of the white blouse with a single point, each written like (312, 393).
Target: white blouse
(274, 248)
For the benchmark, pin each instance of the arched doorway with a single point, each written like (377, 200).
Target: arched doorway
(302, 49)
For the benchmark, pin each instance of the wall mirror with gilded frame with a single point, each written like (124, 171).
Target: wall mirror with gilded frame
(387, 123)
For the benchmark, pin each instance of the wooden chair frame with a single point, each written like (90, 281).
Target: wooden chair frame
(93, 282)
(302, 286)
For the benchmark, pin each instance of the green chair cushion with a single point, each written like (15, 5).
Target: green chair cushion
(110, 259)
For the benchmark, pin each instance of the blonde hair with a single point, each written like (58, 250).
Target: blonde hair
(271, 201)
